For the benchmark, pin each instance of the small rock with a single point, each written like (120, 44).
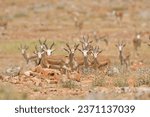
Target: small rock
(13, 71)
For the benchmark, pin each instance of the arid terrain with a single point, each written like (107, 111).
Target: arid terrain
(109, 24)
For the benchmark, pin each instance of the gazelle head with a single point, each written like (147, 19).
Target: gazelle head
(23, 48)
(49, 50)
(38, 52)
(96, 51)
(70, 50)
(42, 44)
(120, 46)
(85, 41)
(138, 35)
(86, 50)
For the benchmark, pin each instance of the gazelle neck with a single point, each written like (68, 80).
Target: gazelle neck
(25, 56)
(121, 57)
(86, 61)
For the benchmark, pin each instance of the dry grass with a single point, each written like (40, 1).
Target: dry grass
(30, 20)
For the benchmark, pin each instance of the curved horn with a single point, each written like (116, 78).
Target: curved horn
(52, 45)
(45, 41)
(68, 46)
(40, 41)
(76, 46)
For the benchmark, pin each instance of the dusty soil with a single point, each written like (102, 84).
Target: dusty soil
(27, 21)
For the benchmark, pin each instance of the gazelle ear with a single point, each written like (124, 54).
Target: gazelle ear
(76, 46)
(90, 41)
(34, 53)
(100, 51)
(124, 44)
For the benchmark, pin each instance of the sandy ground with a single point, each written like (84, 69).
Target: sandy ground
(27, 21)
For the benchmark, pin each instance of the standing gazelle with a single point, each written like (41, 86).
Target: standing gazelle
(26, 56)
(78, 23)
(118, 16)
(86, 50)
(137, 41)
(72, 63)
(99, 62)
(124, 58)
(98, 38)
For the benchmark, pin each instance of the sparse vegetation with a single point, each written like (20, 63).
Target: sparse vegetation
(66, 24)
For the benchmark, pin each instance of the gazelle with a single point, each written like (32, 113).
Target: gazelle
(26, 56)
(124, 58)
(52, 61)
(86, 42)
(39, 53)
(118, 15)
(98, 38)
(86, 50)
(72, 63)
(42, 44)
(95, 52)
(78, 23)
(99, 62)
(3, 24)
(49, 50)
(137, 41)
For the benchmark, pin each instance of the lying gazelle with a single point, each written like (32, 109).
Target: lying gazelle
(97, 38)
(137, 41)
(99, 62)
(48, 60)
(49, 50)
(26, 56)
(95, 52)
(124, 58)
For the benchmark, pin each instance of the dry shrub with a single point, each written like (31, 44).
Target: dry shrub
(120, 82)
(99, 80)
(69, 84)
(109, 82)
(131, 81)
(8, 93)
